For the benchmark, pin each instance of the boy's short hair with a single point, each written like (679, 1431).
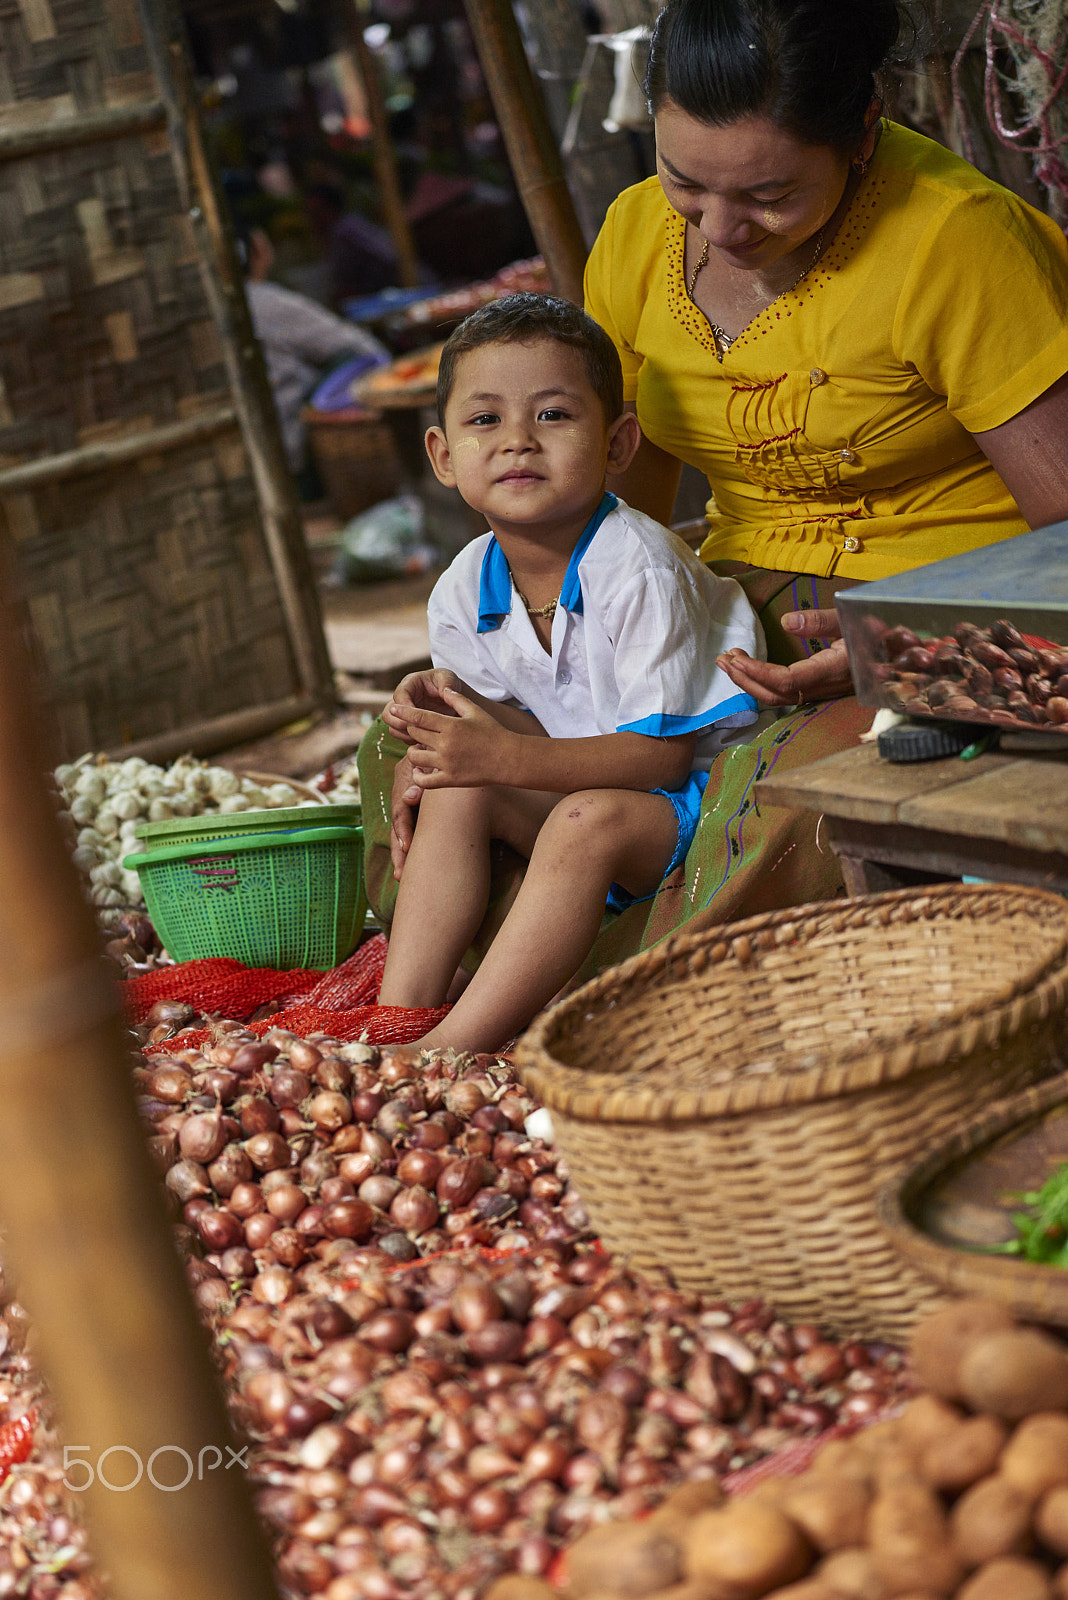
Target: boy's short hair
(522, 318)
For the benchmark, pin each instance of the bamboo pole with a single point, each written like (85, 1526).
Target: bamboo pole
(108, 454)
(219, 733)
(86, 1235)
(577, 82)
(88, 127)
(528, 137)
(353, 18)
(249, 389)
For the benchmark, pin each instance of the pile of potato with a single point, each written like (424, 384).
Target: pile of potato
(963, 1494)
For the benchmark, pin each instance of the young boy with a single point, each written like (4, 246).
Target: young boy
(575, 703)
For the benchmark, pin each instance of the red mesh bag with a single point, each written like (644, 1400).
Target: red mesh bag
(340, 1003)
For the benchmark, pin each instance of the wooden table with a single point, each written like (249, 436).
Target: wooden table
(1001, 816)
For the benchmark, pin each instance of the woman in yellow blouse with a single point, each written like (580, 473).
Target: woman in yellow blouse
(859, 339)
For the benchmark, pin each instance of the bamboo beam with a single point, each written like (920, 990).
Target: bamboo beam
(250, 391)
(110, 453)
(85, 1232)
(386, 179)
(528, 137)
(219, 733)
(91, 127)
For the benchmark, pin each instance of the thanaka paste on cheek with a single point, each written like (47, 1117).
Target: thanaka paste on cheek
(469, 442)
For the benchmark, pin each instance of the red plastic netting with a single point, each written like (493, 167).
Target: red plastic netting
(340, 1003)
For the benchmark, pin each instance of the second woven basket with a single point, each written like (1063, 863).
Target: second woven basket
(730, 1102)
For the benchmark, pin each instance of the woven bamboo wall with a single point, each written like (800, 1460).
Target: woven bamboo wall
(150, 583)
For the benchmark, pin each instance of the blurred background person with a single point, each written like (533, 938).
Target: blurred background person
(301, 341)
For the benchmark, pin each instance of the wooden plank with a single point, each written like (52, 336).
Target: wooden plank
(859, 783)
(1024, 802)
(944, 855)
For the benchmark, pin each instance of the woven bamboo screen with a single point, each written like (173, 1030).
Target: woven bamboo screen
(143, 492)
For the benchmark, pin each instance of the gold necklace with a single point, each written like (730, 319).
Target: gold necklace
(720, 337)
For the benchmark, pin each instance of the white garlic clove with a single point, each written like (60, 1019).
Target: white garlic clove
(82, 811)
(255, 797)
(85, 857)
(280, 794)
(132, 892)
(108, 873)
(133, 766)
(91, 786)
(127, 806)
(89, 836)
(107, 823)
(232, 803)
(102, 896)
(160, 811)
(222, 783)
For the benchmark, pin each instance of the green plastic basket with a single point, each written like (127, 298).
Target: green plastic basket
(234, 824)
(283, 900)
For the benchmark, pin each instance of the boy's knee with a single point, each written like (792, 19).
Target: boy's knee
(587, 816)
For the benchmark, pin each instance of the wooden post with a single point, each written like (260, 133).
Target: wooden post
(250, 391)
(85, 1232)
(528, 137)
(353, 20)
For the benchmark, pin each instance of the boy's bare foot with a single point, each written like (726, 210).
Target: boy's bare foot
(432, 1041)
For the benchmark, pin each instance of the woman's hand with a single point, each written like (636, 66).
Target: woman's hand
(422, 691)
(823, 676)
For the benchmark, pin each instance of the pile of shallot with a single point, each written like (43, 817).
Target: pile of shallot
(442, 1376)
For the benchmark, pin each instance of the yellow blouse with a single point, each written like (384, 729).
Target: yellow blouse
(836, 433)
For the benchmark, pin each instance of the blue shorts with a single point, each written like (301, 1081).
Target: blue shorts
(687, 803)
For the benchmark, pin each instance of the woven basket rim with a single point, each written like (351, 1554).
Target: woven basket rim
(598, 1096)
(1028, 1285)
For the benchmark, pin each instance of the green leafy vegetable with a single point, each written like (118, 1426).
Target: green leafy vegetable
(1042, 1230)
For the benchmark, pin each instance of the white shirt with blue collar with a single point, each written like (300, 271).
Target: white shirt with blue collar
(634, 639)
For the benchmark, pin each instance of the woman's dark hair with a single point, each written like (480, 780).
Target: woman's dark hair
(522, 318)
(806, 65)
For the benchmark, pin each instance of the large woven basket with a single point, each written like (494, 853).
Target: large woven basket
(356, 455)
(730, 1102)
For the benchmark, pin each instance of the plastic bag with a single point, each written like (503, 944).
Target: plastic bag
(389, 541)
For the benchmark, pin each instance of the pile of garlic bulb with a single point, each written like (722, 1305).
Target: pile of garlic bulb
(345, 786)
(103, 803)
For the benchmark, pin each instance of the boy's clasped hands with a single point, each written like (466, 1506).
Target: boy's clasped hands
(451, 740)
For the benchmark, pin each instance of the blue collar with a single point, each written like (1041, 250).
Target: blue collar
(495, 583)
